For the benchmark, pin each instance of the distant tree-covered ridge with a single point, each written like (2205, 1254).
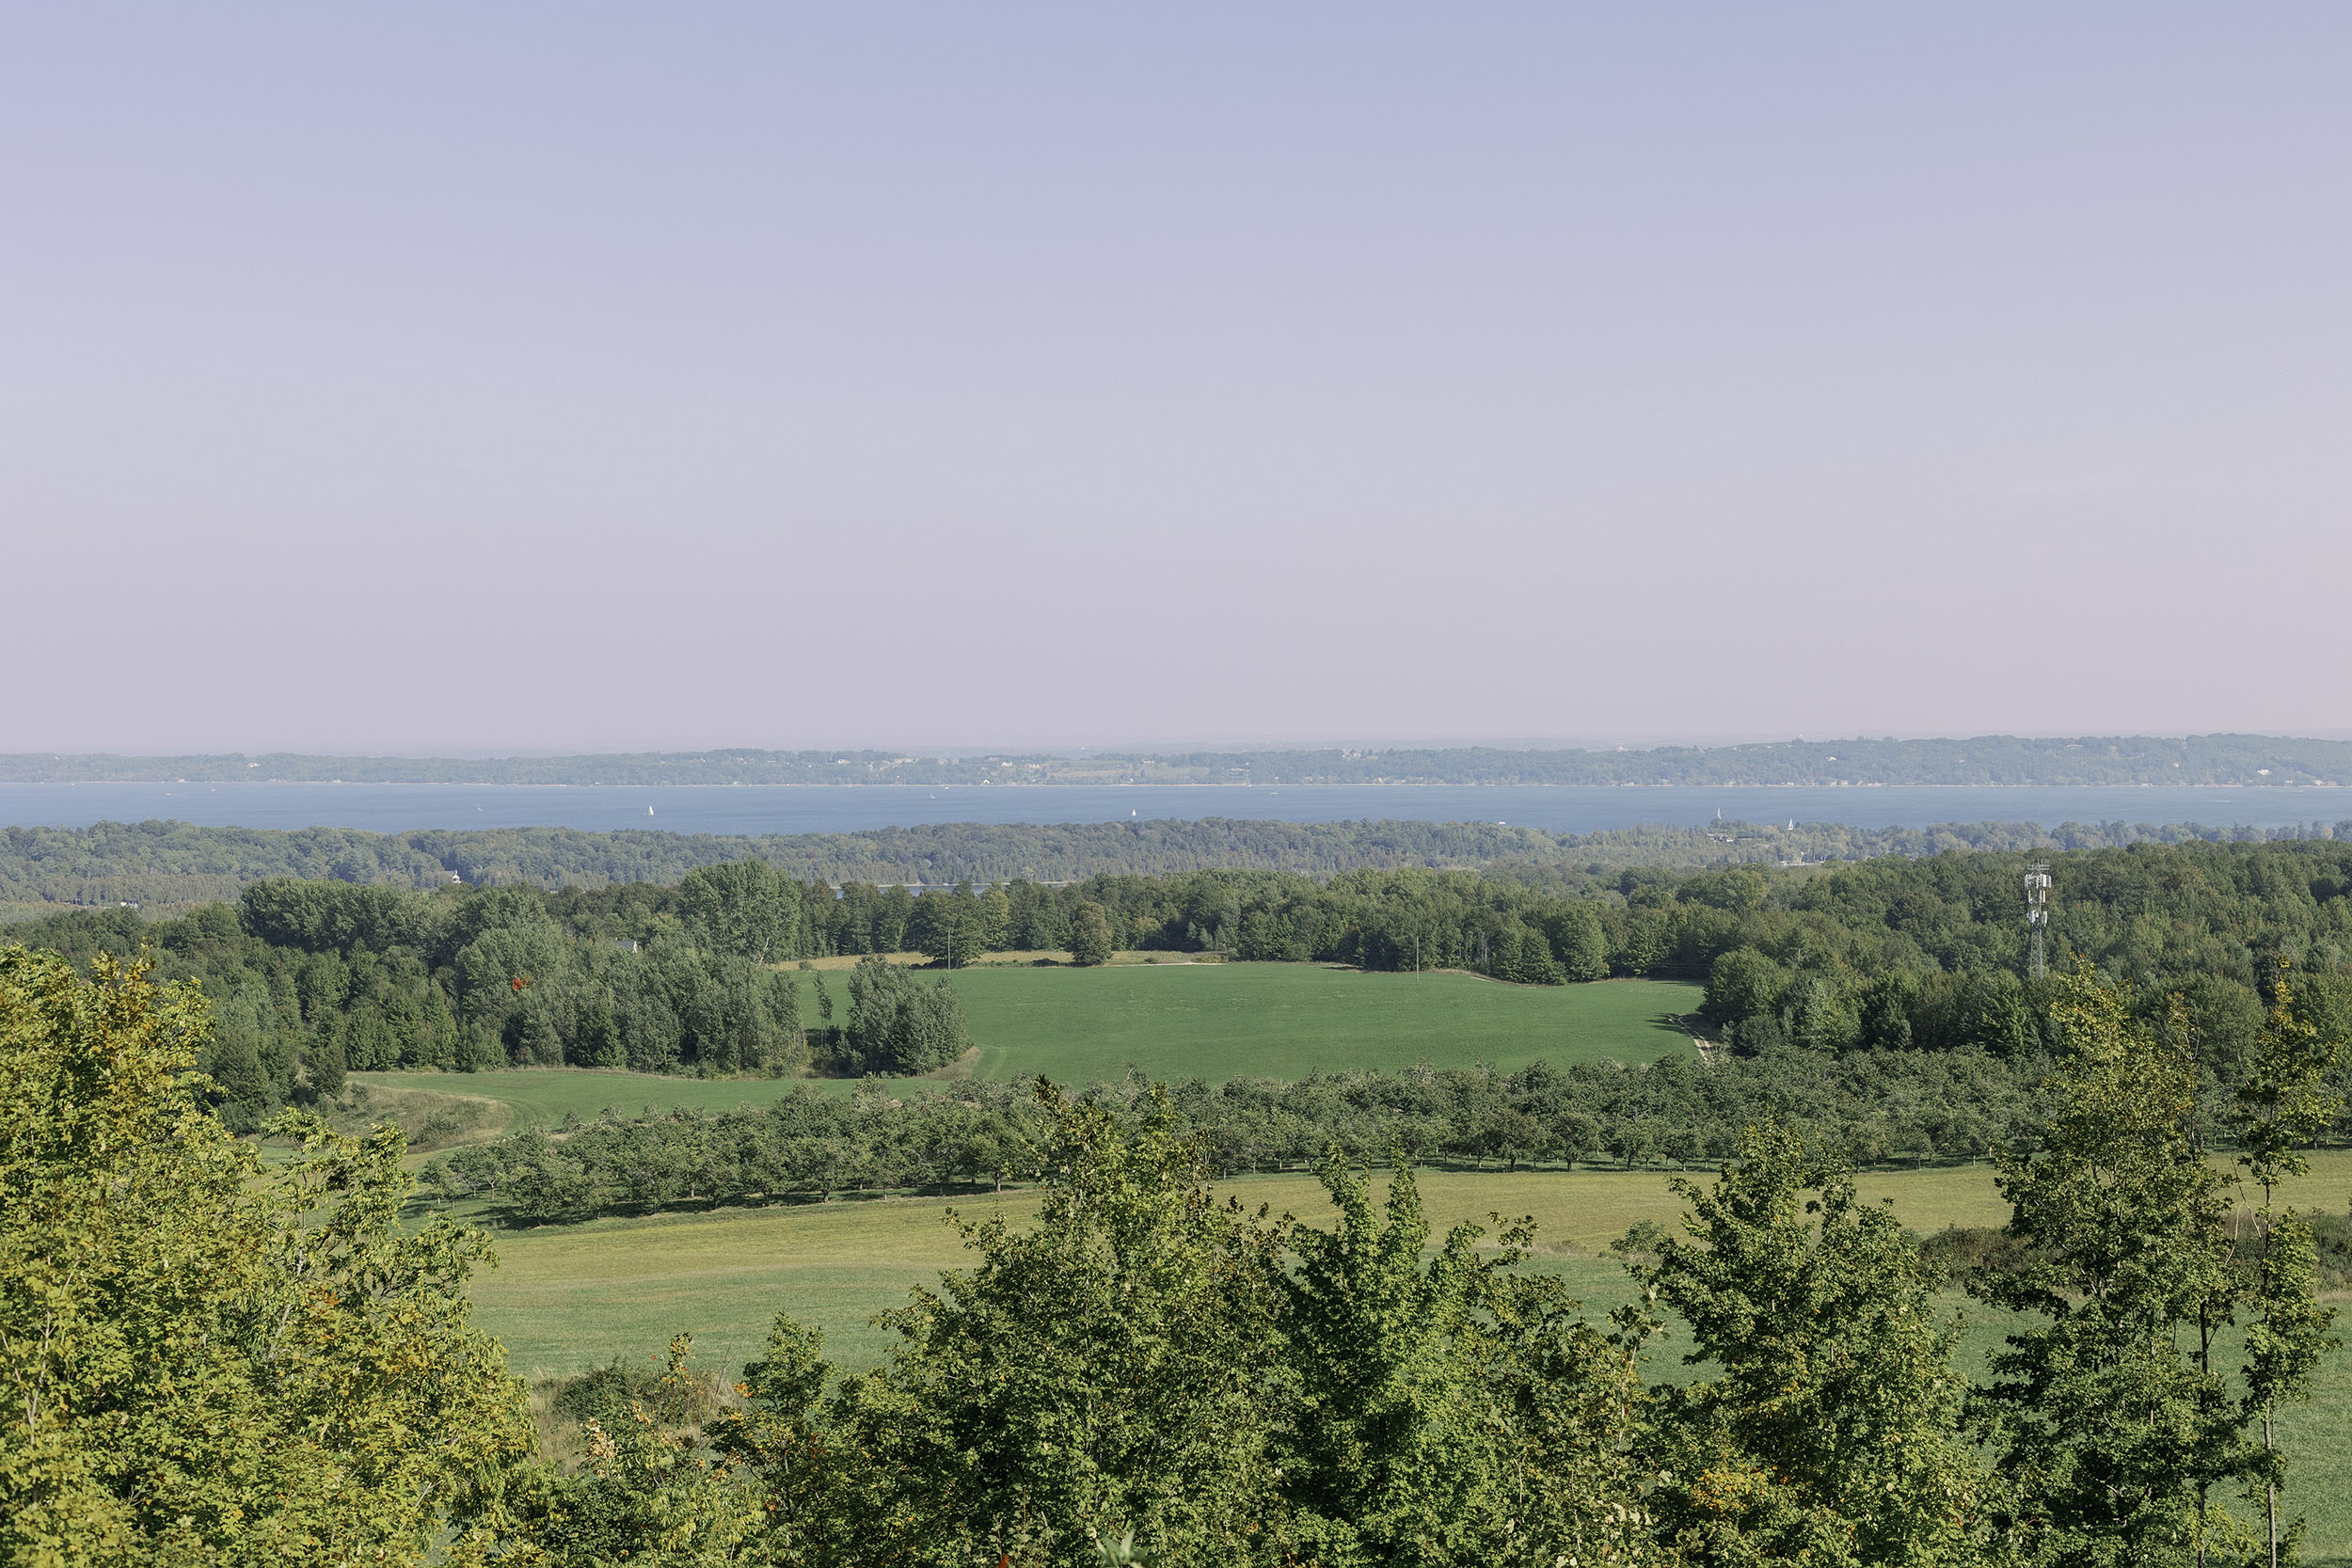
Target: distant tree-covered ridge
(1998, 759)
(165, 867)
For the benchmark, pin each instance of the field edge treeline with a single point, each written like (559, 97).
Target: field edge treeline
(313, 980)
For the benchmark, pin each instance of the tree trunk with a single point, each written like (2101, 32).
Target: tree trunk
(2270, 1444)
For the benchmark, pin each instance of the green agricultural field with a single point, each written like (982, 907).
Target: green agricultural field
(1287, 1021)
(542, 1097)
(1174, 1020)
(567, 1298)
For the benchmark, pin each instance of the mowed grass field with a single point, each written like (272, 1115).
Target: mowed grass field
(542, 1097)
(1221, 1021)
(567, 1298)
(1212, 1020)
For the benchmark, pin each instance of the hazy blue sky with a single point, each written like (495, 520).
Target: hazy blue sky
(541, 376)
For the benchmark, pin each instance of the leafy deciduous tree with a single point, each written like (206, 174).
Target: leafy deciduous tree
(208, 1361)
(2113, 1430)
(1090, 936)
(2284, 1104)
(1105, 1372)
(1829, 1434)
(742, 909)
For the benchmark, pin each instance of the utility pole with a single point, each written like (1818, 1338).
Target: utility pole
(2037, 915)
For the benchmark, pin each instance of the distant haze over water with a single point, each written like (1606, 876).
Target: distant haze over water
(393, 808)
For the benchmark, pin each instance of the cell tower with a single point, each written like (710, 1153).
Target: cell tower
(2037, 913)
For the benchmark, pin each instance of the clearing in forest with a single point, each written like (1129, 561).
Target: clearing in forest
(1287, 1020)
(1174, 1020)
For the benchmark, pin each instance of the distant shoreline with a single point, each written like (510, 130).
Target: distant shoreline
(1168, 783)
(1981, 762)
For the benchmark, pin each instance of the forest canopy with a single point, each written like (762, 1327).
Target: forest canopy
(165, 867)
(313, 978)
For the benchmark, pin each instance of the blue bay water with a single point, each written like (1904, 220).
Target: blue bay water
(392, 808)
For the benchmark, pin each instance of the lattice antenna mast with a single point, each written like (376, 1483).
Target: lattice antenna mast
(2037, 913)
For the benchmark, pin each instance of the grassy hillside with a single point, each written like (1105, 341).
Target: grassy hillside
(1287, 1021)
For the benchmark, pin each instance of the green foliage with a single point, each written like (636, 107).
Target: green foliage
(898, 1024)
(991, 925)
(1445, 1409)
(2284, 1101)
(1878, 1106)
(950, 926)
(649, 1490)
(168, 867)
(1829, 1430)
(1141, 1377)
(2282, 1104)
(2285, 1344)
(935, 923)
(779, 1436)
(2113, 1430)
(312, 981)
(1524, 957)
(1888, 956)
(1742, 984)
(1091, 943)
(742, 908)
(210, 1361)
(214, 1361)
(1104, 1371)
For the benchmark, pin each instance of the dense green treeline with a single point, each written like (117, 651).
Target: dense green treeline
(1895, 954)
(1371, 920)
(168, 866)
(315, 978)
(1995, 759)
(309, 980)
(1929, 954)
(1875, 1107)
(211, 1360)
